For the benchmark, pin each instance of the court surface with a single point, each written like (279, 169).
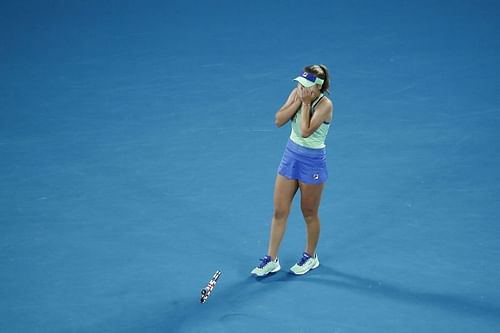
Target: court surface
(138, 155)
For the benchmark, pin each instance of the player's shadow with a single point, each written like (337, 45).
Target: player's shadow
(456, 303)
(182, 314)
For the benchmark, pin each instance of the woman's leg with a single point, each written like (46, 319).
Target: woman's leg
(309, 204)
(284, 191)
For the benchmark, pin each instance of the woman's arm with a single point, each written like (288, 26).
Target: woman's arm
(289, 109)
(323, 112)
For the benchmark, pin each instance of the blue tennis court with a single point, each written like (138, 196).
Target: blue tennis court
(138, 156)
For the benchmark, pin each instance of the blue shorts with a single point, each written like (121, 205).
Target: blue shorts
(304, 164)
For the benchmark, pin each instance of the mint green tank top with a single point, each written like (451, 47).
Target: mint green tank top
(315, 140)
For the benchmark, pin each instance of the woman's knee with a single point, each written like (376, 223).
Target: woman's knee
(310, 213)
(280, 214)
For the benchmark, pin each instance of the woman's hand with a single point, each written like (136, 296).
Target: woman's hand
(307, 95)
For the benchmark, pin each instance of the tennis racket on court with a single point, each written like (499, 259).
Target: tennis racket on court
(205, 292)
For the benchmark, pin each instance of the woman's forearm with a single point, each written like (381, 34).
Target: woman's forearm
(286, 113)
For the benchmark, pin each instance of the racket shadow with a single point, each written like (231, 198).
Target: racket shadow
(222, 303)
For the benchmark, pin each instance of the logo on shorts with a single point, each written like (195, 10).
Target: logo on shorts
(316, 176)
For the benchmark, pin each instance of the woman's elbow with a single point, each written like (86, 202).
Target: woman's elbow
(305, 133)
(278, 122)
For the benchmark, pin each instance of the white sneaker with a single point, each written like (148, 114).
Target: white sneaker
(305, 264)
(267, 265)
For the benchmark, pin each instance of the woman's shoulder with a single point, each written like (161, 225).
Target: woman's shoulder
(326, 101)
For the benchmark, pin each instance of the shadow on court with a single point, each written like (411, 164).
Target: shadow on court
(225, 305)
(456, 303)
(228, 303)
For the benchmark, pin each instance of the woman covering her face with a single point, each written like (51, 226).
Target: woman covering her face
(303, 166)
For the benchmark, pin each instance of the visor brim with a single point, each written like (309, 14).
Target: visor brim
(304, 82)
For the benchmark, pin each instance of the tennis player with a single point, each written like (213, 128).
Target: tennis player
(303, 166)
